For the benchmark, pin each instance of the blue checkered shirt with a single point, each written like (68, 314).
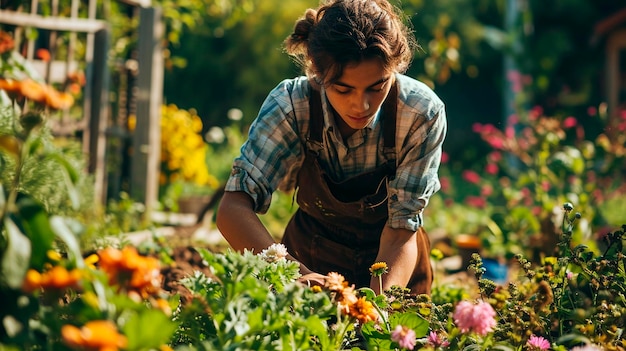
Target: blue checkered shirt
(276, 147)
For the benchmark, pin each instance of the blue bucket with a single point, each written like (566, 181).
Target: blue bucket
(495, 270)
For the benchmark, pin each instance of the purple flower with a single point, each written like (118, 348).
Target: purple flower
(405, 337)
(478, 318)
(437, 341)
(538, 343)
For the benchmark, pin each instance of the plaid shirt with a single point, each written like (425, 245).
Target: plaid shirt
(276, 147)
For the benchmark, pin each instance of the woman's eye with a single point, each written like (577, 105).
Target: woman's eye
(342, 91)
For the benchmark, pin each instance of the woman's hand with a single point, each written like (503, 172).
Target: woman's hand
(313, 279)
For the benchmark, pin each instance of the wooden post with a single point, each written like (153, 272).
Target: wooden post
(146, 139)
(99, 113)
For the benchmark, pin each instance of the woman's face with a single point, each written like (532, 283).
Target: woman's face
(357, 95)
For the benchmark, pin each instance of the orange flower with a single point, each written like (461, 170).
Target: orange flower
(98, 335)
(363, 311)
(33, 91)
(77, 77)
(6, 42)
(32, 281)
(57, 278)
(131, 271)
(43, 54)
(37, 92)
(58, 100)
(60, 278)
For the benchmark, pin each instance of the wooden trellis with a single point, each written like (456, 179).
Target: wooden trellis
(99, 122)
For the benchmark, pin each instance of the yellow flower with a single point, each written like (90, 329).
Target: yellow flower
(378, 269)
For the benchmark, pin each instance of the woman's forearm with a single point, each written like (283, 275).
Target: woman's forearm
(398, 249)
(240, 225)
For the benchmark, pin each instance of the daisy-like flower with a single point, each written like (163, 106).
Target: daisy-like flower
(274, 252)
(379, 268)
(538, 343)
(478, 318)
(335, 281)
(405, 337)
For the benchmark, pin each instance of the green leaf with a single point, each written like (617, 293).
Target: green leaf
(148, 330)
(35, 224)
(410, 320)
(16, 258)
(64, 233)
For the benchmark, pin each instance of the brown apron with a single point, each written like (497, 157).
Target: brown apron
(337, 226)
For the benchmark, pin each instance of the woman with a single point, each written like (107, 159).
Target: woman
(358, 140)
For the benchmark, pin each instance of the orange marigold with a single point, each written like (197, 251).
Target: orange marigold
(57, 278)
(97, 335)
(131, 271)
(363, 311)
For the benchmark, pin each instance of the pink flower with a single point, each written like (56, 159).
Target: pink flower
(476, 201)
(478, 318)
(570, 122)
(471, 176)
(405, 337)
(445, 157)
(538, 343)
(491, 168)
(588, 347)
(437, 341)
(445, 184)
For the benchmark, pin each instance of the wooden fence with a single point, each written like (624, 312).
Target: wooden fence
(78, 38)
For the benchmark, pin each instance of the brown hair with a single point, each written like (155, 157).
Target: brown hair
(341, 32)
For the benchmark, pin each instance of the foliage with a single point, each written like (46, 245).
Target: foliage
(531, 165)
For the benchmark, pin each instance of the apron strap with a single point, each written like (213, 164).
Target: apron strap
(390, 108)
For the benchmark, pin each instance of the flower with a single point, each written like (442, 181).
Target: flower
(57, 278)
(6, 42)
(588, 347)
(364, 311)
(128, 269)
(94, 335)
(274, 252)
(435, 340)
(379, 268)
(405, 337)
(478, 318)
(335, 281)
(538, 343)
(43, 54)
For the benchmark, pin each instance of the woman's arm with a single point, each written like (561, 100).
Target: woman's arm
(241, 227)
(398, 249)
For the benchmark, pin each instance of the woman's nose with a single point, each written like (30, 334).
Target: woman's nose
(361, 103)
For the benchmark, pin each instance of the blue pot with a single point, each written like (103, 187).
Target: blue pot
(495, 270)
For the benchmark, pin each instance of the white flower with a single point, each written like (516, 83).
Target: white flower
(274, 253)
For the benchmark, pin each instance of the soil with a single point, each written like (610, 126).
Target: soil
(186, 259)
(184, 240)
